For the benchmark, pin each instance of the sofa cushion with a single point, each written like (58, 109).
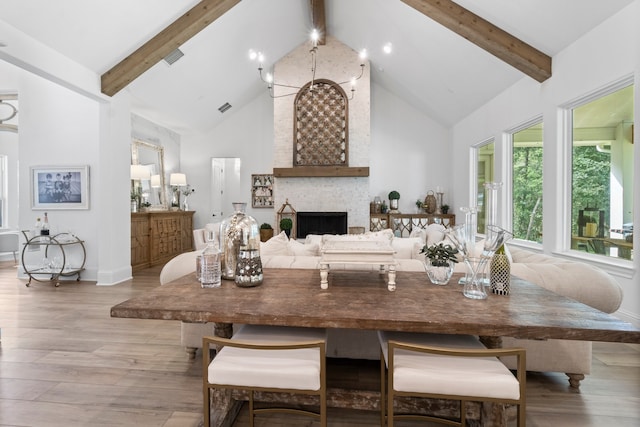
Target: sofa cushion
(277, 245)
(430, 235)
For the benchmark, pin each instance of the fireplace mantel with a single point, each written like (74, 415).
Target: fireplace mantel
(321, 171)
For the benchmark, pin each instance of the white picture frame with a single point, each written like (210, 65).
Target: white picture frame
(59, 187)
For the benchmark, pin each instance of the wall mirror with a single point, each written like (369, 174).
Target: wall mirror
(151, 156)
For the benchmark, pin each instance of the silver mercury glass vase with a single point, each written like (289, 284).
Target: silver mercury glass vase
(230, 240)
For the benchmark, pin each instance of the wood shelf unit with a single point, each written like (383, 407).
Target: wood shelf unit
(156, 237)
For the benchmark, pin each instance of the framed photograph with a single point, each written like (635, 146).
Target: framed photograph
(262, 191)
(59, 187)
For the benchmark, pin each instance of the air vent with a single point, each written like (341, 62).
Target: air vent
(173, 56)
(224, 107)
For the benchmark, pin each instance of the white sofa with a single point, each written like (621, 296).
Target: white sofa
(579, 281)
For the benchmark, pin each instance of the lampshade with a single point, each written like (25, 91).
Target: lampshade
(155, 181)
(140, 172)
(178, 179)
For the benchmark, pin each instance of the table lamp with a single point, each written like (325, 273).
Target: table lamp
(177, 180)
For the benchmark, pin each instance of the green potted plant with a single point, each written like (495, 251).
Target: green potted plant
(439, 260)
(266, 232)
(285, 225)
(444, 209)
(419, 205)
(394, 196)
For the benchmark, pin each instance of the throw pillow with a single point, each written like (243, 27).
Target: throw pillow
(420, 233)
(277, 245)
(407, 247)
(435, 234)
(302, 249)
(313, 239)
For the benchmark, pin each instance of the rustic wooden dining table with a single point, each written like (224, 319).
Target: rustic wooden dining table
(360, 300)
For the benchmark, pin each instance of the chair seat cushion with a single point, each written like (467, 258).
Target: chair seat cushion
(297, 369)
(448, 375)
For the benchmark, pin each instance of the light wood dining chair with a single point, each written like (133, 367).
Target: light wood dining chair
(453, 367)
(262, 358)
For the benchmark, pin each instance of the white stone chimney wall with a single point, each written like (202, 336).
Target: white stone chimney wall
(338, 63)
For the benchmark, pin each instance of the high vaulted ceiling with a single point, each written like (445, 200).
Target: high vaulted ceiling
(434, 69)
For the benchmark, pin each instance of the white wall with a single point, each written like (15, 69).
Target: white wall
(246, 133)
(608, 53)
(57, 127)
(61, 126)
(410, 152)
(9, 148)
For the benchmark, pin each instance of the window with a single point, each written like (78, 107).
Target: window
(602, 174)
(485, 155)
(526, 185)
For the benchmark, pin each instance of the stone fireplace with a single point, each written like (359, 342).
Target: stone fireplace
(331, 192)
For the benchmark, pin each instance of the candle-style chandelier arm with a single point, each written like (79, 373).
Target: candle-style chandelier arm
(269, 79)
(354, 79)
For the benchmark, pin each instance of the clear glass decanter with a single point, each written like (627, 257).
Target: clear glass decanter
(210, 268)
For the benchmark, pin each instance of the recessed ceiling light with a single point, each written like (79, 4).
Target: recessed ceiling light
(387, 48)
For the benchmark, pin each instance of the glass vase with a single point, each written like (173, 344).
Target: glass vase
(248, 264)
(438, 275)
(248, 268)
(473, 286)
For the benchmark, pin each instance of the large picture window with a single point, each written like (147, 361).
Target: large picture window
(602, 174)
(526, 186)
(484, 174)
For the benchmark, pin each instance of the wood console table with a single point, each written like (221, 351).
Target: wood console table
(361, 301)
(403, 224)
(156, 237)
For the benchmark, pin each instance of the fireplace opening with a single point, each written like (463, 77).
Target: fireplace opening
(320, 223)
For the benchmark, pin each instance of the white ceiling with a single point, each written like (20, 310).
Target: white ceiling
(437, 71)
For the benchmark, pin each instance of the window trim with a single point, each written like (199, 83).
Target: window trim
(473, 171)
(622, 267)
(507, 137)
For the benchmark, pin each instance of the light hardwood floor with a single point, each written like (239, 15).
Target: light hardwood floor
(65, 362)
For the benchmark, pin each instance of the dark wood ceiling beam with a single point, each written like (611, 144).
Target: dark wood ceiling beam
(318, 18)
(481, 32)
(165, 42)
